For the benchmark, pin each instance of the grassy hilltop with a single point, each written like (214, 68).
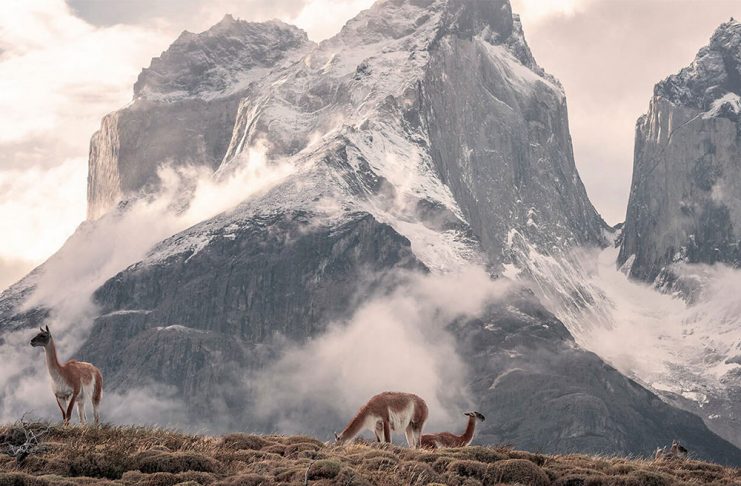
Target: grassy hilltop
(137, 455)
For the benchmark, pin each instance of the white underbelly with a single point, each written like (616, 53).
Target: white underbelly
(400, 419)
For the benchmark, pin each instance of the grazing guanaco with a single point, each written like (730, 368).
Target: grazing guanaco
(71, 382)
(446, 439)
(387, 412)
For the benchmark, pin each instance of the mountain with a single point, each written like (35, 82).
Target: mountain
(683, 228)
(685, 200)
(421, 140)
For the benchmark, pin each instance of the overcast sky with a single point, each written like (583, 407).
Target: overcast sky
(63, 65)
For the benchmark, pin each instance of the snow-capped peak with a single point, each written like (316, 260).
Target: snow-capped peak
(219, 61)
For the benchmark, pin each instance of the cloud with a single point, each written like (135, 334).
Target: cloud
(100, 249)
(58, 77)
(39, 209)
(397, 341)
(199, 15)
(537, 11)
(12, 270)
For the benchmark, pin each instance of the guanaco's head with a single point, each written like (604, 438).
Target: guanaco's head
(338, 439)
(477, 415)
(42, 338)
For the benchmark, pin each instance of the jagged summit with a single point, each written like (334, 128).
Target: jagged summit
(715, 72)
(219, 61)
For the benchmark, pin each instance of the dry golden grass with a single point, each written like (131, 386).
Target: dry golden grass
(153, 457)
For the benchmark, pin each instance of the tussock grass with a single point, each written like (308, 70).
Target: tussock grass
(122, 456)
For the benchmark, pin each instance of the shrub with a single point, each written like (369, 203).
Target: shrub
(246, 480)
(441, 464)
(295, 448)
(324, 469)
(275, 449)
(517, 471)
(379, 463)
(175, 462)
(481, 454)
(467, 469)
(244, 441)
(650, 478)
(99, 465)
(580, 480)
(21, 479)
(412, 472)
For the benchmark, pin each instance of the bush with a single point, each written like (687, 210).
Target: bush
(108, 465)
(324, 469)
(417, 473)
(246, 480)
(580, 480)
(175, 462)
(379, 463)
(166, 479)
(649, 478)
(468, 469)
(441, 464)
(21, 479)
(516, 471)
(244, 441)
(481, 454)
(275, 449)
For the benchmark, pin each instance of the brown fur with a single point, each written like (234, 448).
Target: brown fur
(379, 406)
(446, 439)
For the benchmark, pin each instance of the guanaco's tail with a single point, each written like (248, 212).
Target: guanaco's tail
(98, 390)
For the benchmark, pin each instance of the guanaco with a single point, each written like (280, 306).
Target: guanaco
(387, 412)
(446, 439)
(71, 382)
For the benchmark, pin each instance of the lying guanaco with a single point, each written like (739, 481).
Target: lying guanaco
(387, 412)
(446, 439)
(71, 382)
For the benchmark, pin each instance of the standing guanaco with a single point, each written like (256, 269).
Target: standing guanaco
(71, 382)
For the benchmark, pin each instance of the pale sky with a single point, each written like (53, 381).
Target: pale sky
(64, 64)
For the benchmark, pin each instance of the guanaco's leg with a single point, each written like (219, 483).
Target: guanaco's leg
(81, 410)
(61, 408)
(378, 431)
(386, 431)
(70, 406)
(409, 432)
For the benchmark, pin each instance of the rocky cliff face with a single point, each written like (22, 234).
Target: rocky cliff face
(422, 138)
(184, 106)
(685, 202)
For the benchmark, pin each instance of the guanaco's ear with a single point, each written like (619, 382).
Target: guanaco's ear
(336, 436)
(47, 329)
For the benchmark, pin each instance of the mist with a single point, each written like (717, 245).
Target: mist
(656, 336)
(97, 251)
(396, 341)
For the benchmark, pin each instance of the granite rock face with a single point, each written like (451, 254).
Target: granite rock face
(546, 393)
(685, 202)
(184, 106)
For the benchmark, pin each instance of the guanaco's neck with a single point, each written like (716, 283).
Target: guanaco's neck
(467, 436)
(52, 362)
(355, 425)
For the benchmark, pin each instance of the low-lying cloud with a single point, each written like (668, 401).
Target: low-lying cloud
(100, 249)
(398, 341)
